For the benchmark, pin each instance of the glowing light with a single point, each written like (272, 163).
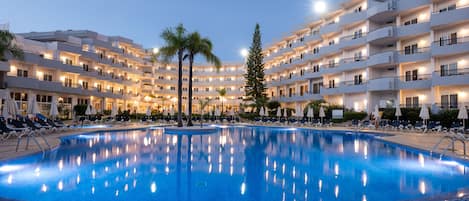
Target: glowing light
(320, 7)
(244, 53)
(156, 50)
(60, 186)
(243, 188)
(44, 188)
(153, 187)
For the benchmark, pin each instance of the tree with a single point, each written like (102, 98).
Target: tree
(176, 45)
(197, 45)
(7, 46)
(203, 104)
(222, 94)
(255, 88)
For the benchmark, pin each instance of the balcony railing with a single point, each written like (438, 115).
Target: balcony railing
(411, 78)
(414, 51)
(453, 72)
(447, 9)
(451, 41)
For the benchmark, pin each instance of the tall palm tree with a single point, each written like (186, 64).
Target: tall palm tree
(197, 45)
(8, 47)
(222, 94)
(176, 45)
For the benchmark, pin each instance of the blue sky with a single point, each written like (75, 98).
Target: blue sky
(228, 23)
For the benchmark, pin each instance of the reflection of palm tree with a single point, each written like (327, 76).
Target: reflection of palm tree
(222, 94)
(255, 157)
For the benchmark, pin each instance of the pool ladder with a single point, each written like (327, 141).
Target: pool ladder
(452, 140)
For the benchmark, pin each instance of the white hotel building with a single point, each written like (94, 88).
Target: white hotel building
(370, 52)
(367, 53)
(84, 67)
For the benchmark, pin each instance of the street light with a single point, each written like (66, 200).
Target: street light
(320, 7)
(156, 50)
(244, 52)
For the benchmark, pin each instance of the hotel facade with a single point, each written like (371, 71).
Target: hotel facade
(364, 54)
(84, 67)
(372, 52)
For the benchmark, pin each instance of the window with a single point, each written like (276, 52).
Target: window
(450, 39)
(316, 68)
(316, 50)
(172, 88)
(99, 87)
(161, 77)
(411, 75)
(357, 56)
(85, 67)
(412, 102)
(68, 61)
(449, 69)
(331, 63)
(302, 90)
(357, 34)
(196, 89)
(43, 98)
(331, 84)
(47, 77)
(281, 92)
(207, 89)
(21, 73)
(82, 101)
(411, 49)
(449, 101)
(358, 79)
(449, 8)
(316, 88)
(68, 82)
(84, 85)
(19, 96)
(331, 42)
(412, 21)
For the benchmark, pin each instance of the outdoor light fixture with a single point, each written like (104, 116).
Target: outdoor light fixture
(320, 7)
(244, 52)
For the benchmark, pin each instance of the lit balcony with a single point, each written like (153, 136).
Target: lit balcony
(418, 82)
(441, 18)
(383, 84)
(450, 47)
(459, 76)
(421, 54)
(382, 59)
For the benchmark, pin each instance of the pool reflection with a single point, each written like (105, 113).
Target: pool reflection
(243, 163)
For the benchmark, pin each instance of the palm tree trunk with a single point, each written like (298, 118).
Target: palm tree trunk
(180, 58)
(191, 62)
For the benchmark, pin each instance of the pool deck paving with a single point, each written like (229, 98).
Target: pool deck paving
(418, 140)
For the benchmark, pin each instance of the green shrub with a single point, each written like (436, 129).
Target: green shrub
(107, 112)
(249, 116)
(349, 115)
(273, 105)
(80, 109)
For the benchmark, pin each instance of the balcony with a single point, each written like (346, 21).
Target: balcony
(450, 47)
(330, 49)
(347, 64)
(34, 84)
(451, 77)
(382, 59)
(382, 35)
(346, 87)
(329, 28)
(419, 82)
(381, 11)
(383, 84)
(442, 18)
(298, 98)
(413, 30)
(352, 41)
(421, 54)
(414, 4)
(313, 37)
(352, 18)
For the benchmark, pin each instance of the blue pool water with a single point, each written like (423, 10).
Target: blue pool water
(237, 163)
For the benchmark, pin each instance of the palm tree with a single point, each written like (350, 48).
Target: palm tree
(7, 46)
(222, 94)
(203, 46)
(176, 45)
(203, 104)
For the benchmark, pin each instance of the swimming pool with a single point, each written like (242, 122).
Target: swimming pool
(236, 163)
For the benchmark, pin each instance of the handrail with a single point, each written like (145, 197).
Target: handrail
(437, 11)
(452, 41)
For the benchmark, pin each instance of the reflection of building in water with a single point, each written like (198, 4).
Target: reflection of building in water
(255, 163)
